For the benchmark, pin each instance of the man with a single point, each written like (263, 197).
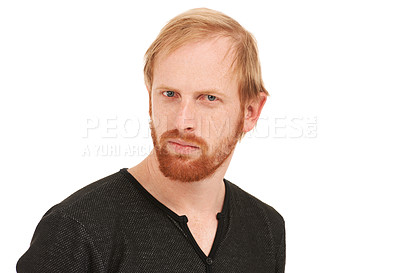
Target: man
(175, 212)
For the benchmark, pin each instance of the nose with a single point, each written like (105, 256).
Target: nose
(185, 119)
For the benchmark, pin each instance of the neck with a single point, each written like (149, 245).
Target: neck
(200, 198)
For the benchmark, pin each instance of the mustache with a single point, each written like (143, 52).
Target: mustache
(175, 134)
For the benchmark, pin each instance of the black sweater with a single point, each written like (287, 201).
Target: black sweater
(115, 225)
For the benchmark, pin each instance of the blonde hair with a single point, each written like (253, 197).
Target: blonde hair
(199, 24)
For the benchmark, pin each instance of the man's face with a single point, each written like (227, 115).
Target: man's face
(195, 110)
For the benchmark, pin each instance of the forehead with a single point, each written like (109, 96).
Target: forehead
(201, 64)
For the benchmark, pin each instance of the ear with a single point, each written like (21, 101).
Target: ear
(252, 112)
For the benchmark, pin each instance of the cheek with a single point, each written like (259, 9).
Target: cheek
(160, 123)
(158, 117)
(162, 116)
(218, 126)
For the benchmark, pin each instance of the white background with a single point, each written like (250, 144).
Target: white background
(67, 64)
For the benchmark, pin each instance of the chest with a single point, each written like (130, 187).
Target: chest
(203, 231)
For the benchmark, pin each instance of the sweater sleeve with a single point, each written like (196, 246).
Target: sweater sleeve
(60, 244)
(281, 254)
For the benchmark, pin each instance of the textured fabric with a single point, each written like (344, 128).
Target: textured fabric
(115, 225)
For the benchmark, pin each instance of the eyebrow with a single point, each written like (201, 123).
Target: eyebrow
(207, 91)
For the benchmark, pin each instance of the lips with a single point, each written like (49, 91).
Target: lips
(184, 144)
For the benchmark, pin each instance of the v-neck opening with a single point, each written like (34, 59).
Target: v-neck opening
(183, 218)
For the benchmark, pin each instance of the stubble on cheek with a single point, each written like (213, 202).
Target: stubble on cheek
(187, 168)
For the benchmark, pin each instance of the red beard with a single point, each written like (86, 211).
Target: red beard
(185, 168)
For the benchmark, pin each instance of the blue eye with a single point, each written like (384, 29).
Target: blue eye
(211, 97)
(169, 93)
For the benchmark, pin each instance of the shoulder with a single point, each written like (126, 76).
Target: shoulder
(71, 235)
(87, 225)
(245, 200)
(101, 198)
(248, 206)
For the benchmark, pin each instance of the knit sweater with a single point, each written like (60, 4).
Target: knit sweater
(116, 225)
